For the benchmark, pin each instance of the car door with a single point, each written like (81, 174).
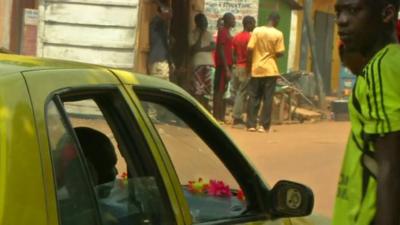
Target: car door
(22, 198)
(215, 179)
(100, 163)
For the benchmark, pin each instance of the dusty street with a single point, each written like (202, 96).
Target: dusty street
(307, 153)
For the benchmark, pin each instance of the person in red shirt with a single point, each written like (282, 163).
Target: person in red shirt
(223, 70)
(240, 78)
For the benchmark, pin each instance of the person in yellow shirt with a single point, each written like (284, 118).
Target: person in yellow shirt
(265, 46)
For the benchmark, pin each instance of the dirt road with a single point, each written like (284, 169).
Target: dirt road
(307, 153)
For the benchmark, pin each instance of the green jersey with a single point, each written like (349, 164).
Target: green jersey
(374, 108)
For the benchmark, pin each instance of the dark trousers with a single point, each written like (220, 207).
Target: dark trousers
(220, 86)
(260, 89)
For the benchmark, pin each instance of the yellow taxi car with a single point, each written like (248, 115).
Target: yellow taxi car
(87, 145)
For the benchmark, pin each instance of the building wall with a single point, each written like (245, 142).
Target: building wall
(5, 15)
(326, 6)
(109, 28)
(300, 19)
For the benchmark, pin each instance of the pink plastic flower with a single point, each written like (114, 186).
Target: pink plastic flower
(219, 189)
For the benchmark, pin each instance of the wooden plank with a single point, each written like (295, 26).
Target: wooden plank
(106, 57)
(307, 113)
(91, 15)
(131, 3)
(5, 23)
(41, 31)
(105, 37)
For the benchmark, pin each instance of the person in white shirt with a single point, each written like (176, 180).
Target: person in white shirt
(201, 45)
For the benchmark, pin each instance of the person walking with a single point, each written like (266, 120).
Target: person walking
(223, 71)
(202, 44)
(240, 78)
(265, 46)
(369, 185)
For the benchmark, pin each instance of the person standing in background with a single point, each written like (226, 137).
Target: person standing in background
(265, 46)
(159, 62)
(223, 61)
(240, 78)
(201, 45)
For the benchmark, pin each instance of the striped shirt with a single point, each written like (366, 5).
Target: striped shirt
(374, 110)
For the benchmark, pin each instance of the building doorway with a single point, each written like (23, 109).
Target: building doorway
(324, 29)
(179, 30)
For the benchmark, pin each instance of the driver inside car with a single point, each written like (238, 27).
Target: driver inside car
(101, 160)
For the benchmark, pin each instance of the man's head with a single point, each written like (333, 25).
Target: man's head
(100, 154)
(165, 12)
(201, 21)
(273, 19)
(249, 23)
(229, 20)
(366, 25)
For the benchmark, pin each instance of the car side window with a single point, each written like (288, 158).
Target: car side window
(123, 191)
(76, 206)
(210, 189)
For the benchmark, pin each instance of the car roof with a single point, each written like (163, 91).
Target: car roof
(10, 63)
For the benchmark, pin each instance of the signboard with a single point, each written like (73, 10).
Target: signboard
(31, 17)
(215, 9)
(29, 35)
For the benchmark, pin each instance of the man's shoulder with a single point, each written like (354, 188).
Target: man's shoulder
(236, 36)
(258, 29)
(389, 58)
(267, 29)
(393, 51)
(224, 34)
(276, 31)
(241, 35)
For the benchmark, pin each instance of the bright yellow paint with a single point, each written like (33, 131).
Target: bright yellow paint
(27, 192)
(22, 195)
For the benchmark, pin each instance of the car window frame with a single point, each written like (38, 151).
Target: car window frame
(255, 189)
(69, 128)
(151, 166)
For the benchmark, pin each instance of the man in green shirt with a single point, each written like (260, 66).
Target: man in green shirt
(369, 186)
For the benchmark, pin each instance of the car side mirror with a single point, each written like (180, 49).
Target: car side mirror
(291, 199)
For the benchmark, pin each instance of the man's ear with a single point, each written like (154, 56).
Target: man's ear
(389, 13)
